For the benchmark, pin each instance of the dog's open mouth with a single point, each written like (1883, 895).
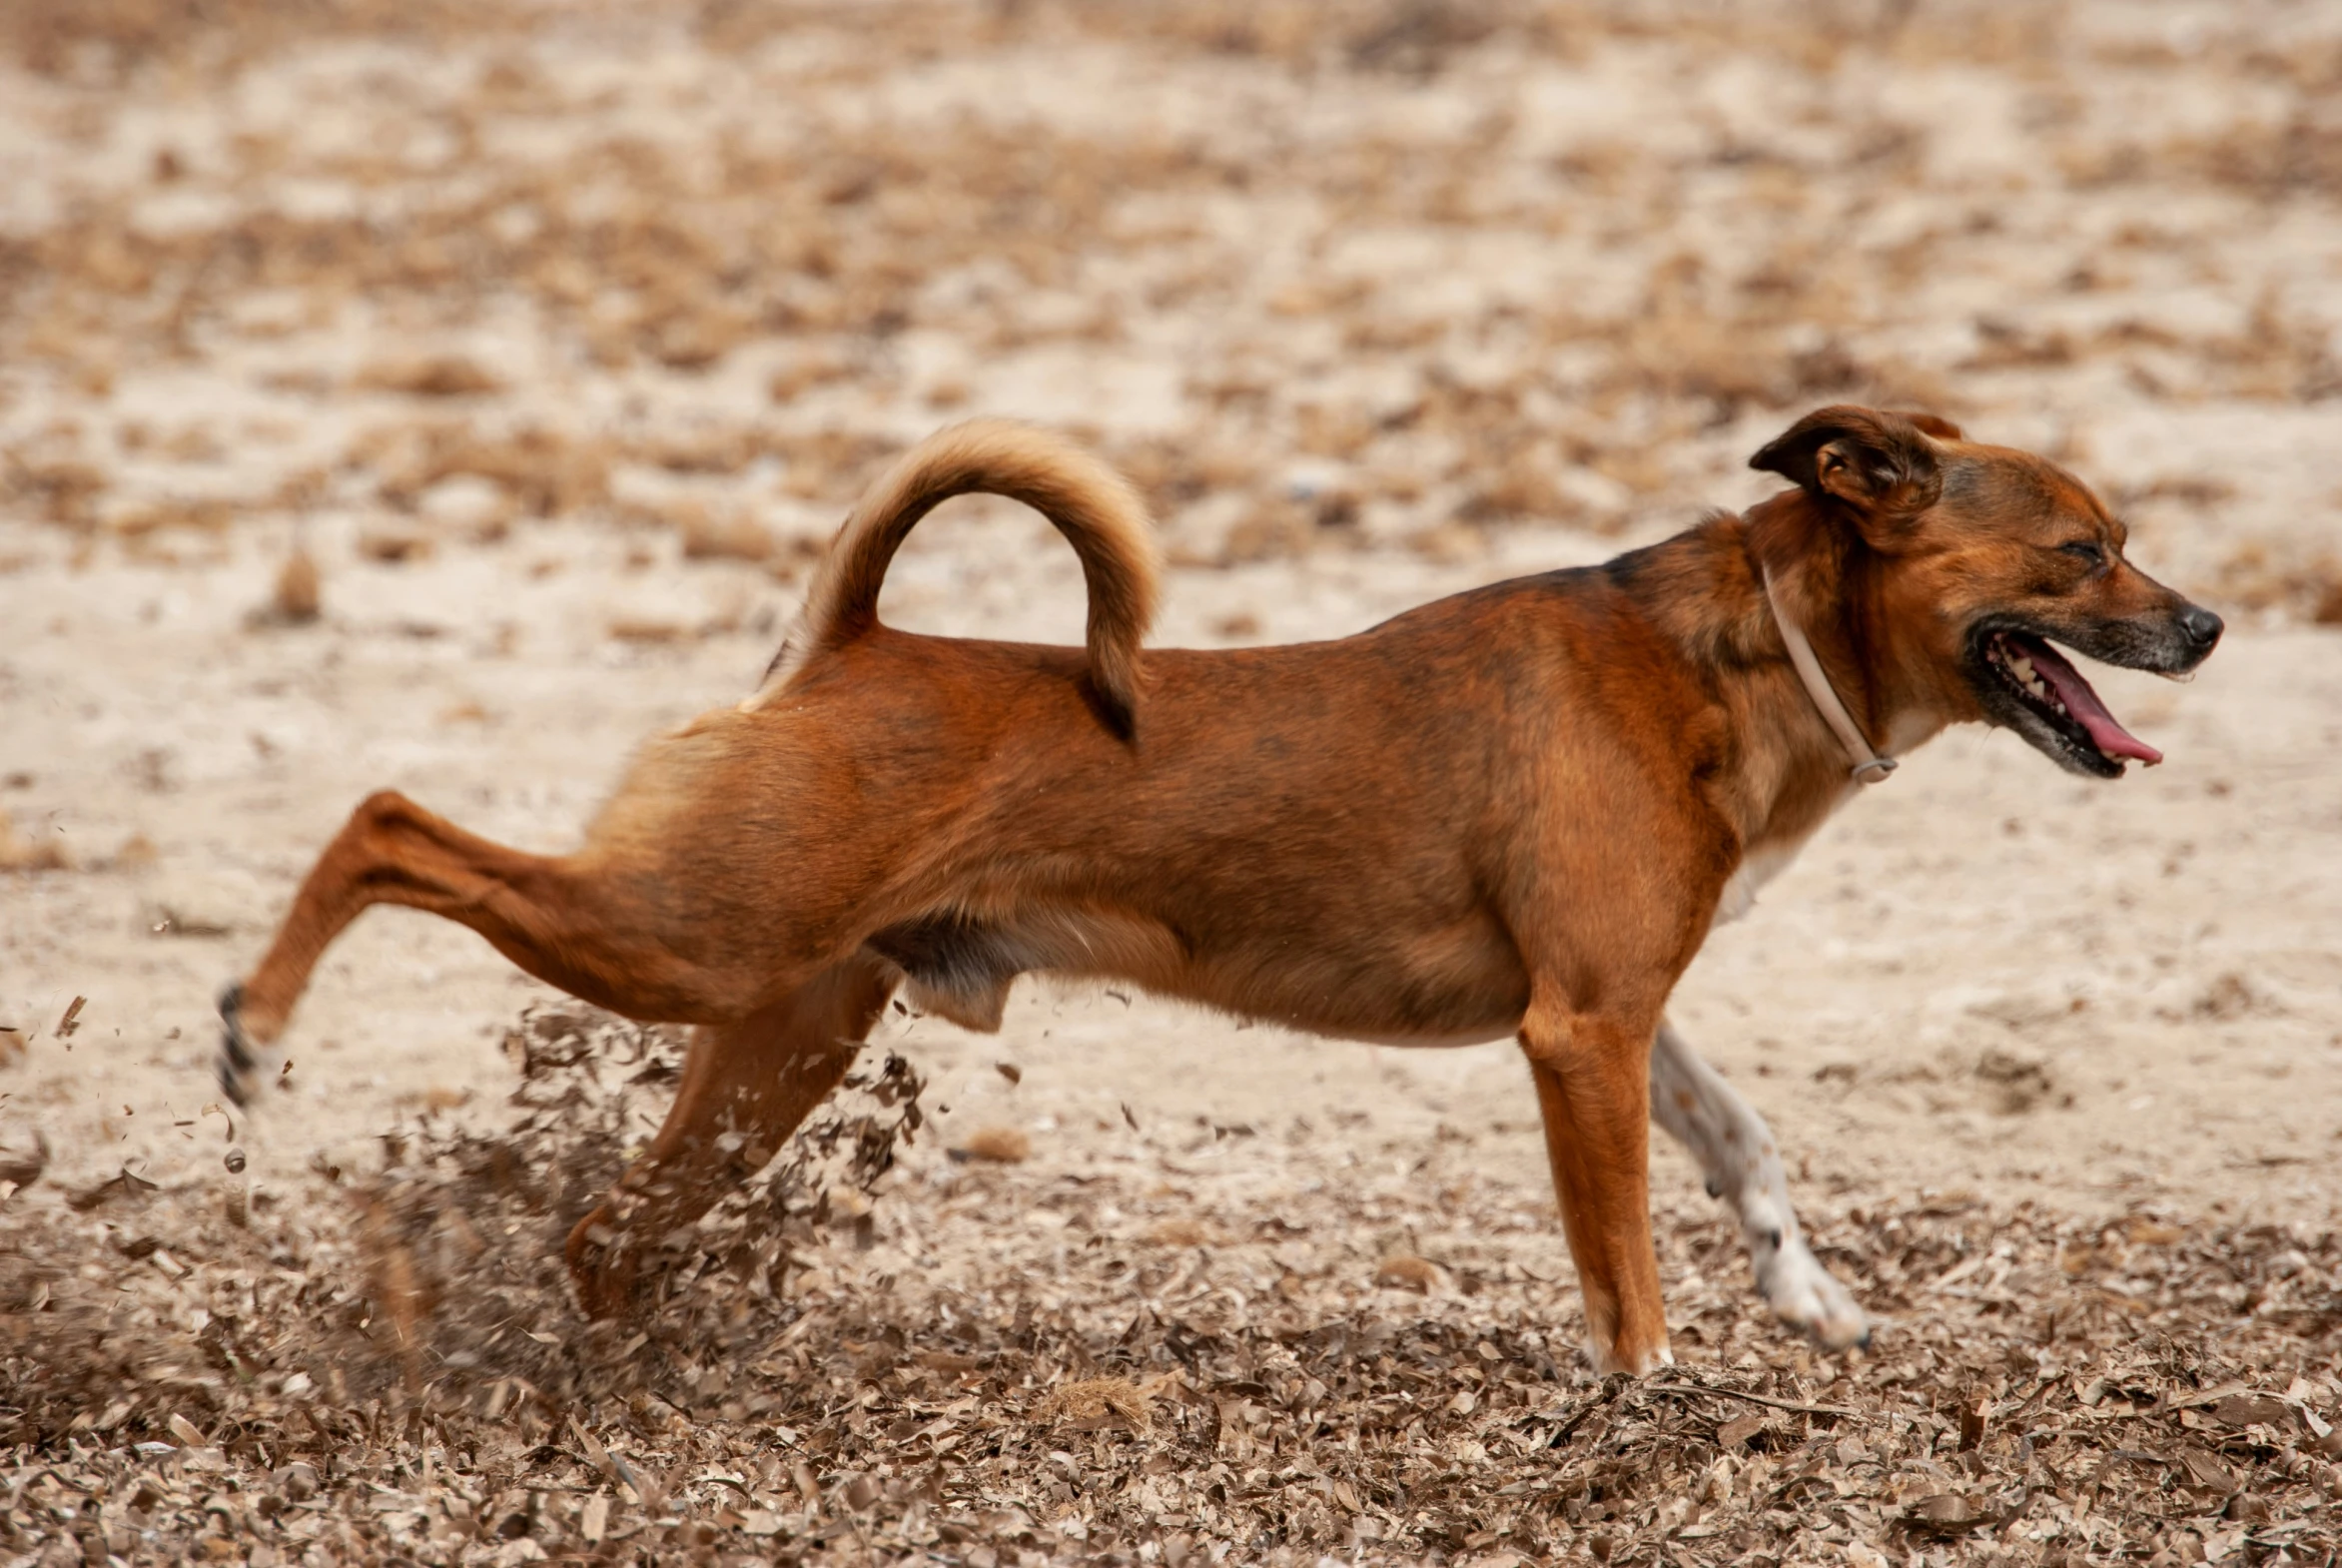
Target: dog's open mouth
(2048, 687)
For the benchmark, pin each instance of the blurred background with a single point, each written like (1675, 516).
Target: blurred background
(442, 396)
(1401, 273)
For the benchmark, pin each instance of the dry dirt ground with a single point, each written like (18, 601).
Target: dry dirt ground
(443, 396)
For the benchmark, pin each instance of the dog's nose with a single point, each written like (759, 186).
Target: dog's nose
(2201, 626)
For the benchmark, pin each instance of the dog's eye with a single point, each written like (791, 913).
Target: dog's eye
(2086, 550)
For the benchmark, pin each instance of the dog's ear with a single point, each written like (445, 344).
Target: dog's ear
(1882, 464)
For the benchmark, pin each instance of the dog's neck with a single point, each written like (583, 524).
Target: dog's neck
(1704, 591)
(1865, 765)
(1823, 582)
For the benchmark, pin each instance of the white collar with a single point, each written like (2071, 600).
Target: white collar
(1869, 766)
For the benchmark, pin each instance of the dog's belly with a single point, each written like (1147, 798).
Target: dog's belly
(1462, 984)
(1478, 1036)
(1455, 985)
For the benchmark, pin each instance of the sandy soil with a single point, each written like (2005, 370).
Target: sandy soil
(557, 337)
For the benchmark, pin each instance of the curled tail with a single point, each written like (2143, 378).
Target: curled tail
(1091, 504)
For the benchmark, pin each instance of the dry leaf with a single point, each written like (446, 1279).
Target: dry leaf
(18, 853)
(2250, 1409)
(1005, 1145)
(641, 629)
(394, 548)
(1971, 1424)
(707, 537)
(433, 375)
(1407, 1273)
(22, 1167)
(1090, 1398)
(124, 1184)
(1180, 1233)
(1948, 1513)
(297, 596)
(2205, 1471)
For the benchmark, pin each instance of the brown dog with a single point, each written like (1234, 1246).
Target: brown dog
(1516, 811)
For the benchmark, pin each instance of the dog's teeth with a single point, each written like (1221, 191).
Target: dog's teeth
(2181, 676)
(2060, 707)
(2023, 667)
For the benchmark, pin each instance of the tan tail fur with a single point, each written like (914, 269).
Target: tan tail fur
(1091, 504)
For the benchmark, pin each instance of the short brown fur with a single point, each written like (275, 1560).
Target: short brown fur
(1509, 812)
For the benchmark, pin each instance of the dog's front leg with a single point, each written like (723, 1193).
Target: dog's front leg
(1594, 1091)
(1736, 1150)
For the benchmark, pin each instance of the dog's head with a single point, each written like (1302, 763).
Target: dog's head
(1977, 557)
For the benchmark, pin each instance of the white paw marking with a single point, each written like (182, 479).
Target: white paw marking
(1804, 1294)
(1606, 1361)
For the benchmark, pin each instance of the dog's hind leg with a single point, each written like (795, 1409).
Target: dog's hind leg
(745, 1088)
(586, 930)
(1736, 1150)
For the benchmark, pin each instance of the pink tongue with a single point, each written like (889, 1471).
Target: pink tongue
(2107, 735)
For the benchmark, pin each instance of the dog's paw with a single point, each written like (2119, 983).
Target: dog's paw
(239, 1059)
(1614, 1362)
(602, 1265)
(1804, 1294)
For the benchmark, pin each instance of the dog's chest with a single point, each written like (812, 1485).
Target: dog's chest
(1762, 864)
(1757, 868)
(1740, 894)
